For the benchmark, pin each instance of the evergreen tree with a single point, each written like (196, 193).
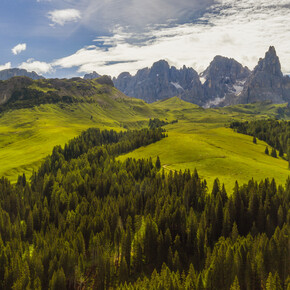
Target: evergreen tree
(158, 163)
(235, 285)
(254, 140)
(58, 280)
(267, 150)
(274, 153)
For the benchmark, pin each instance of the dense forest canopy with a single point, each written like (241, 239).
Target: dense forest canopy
(86, 220)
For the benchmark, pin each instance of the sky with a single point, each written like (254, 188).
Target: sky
(67, 38)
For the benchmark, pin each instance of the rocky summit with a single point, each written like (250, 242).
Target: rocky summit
(266, 82)
(224, 76)
(160, 82)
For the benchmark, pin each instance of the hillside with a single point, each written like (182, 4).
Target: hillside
(92, 218)
(198, 140)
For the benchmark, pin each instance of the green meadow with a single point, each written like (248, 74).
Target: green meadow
(199, 140)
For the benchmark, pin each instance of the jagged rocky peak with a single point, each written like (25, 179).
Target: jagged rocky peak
(91, 76)
(267, 82)
(270, 64)
(161, 81)
(224, 76)
(160, 68)
(6, 74)
(225, 68)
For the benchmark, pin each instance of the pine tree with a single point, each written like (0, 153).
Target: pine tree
(58, 280)
(235, 285)
(123, 271)
(254, 140)
(267, 150)
(158, 163)
(281, 152)
(274, 153)
(235, 232)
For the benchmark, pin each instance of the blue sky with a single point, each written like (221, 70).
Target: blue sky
(65, 38)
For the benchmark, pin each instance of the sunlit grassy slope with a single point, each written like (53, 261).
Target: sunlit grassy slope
(199, 139)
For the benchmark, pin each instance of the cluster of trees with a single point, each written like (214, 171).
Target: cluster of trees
(275, 133)
(157, 123)
(273, 152)
(86, 219)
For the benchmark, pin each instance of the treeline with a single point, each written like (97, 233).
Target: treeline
(275, 133)
(157, 123)
(87, 220)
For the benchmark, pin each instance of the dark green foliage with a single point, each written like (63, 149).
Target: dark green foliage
(267, 150)
(254, 140)
(86, 220)
(274, 153)
(158, 163)
(157, 123)
(28, 98)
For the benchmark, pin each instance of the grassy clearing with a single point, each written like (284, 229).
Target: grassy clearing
(218, 152)
(199, 139)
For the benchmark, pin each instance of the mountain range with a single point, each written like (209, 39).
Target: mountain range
(224, 82)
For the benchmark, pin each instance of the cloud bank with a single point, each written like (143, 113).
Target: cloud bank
(61, 17)
(37, 66)
(18, 48)
(240, 29)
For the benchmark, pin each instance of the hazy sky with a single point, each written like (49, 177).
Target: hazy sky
(65, 38)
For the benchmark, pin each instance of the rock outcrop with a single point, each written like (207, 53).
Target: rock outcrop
(6, 74)
(91, 76)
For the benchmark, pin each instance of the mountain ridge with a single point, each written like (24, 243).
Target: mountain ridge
(6, 74)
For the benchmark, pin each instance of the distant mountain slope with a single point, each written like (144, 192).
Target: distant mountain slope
(224, 82)
(17, 72)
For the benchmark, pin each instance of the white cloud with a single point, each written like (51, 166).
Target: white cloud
(240, 29)
(37, 66)
(5, 66)
(63, 16)
(18, 48)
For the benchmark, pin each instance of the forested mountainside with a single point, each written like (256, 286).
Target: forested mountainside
(86, 220)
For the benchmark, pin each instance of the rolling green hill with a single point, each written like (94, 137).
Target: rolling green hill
(199, 139)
